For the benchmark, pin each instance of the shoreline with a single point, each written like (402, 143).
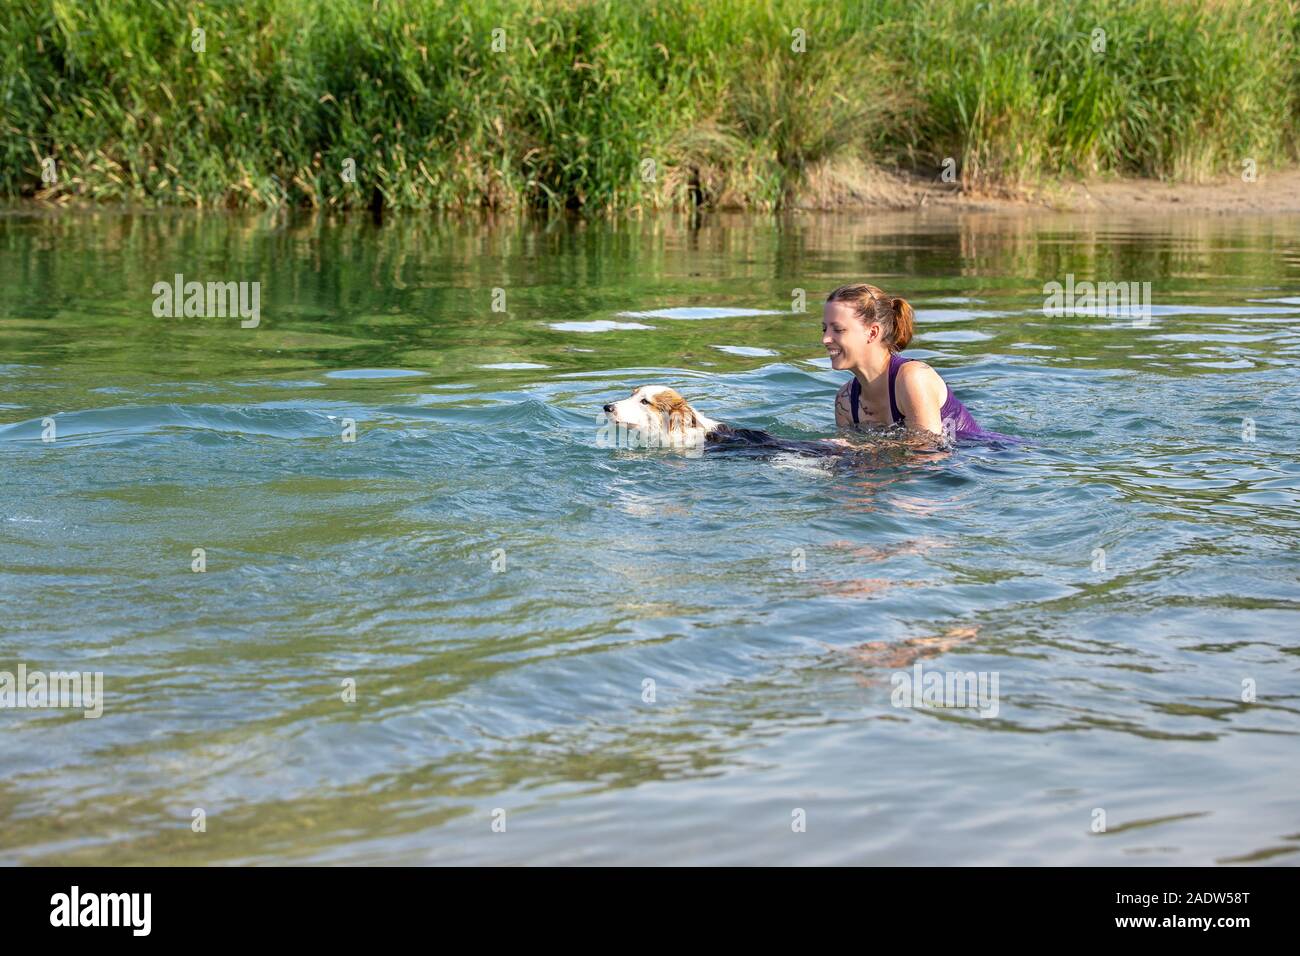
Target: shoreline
(843, 187)
(849, 187)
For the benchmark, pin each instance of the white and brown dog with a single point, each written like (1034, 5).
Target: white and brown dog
(656, 416)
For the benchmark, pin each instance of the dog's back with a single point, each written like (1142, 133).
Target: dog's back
(729, 437)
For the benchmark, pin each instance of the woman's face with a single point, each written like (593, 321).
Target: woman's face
(846, 338)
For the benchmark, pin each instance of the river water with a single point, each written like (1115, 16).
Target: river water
(475, 634)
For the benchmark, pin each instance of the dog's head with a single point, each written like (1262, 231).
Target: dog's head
(654, 409)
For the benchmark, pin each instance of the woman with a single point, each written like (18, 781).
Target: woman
(864, 331)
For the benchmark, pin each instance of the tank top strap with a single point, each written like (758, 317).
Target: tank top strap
(895, 360)
(855, 395)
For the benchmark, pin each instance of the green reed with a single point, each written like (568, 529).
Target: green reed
(621, 105)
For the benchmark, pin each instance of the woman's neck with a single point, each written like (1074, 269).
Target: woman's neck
(870, 370)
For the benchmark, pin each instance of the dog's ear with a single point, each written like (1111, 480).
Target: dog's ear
(675, 410)
(682, 415)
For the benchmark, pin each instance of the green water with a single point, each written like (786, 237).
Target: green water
(500, 588)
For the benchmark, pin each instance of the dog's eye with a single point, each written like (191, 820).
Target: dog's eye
(645, 401)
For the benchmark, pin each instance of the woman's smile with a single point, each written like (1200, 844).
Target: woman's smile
(842, 334)
(833, 340)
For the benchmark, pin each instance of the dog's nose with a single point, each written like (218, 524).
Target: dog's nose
(609, 407)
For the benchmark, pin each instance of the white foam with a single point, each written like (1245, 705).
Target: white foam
(599, 325)
(706, 312)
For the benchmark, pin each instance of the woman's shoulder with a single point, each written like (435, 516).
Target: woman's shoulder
(916, 377)
(844, 397)
(914, 370)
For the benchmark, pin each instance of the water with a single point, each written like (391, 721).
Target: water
(500, 588)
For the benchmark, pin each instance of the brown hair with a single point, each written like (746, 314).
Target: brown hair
(895, 316)
(674, 410)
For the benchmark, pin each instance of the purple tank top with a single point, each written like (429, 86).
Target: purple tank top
(953, 410)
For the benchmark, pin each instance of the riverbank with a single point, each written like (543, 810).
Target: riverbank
(865, 190)
(599, 105)
(846, 188)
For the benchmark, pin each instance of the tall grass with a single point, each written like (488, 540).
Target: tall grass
(619, 104)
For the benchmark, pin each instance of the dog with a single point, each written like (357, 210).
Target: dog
(656, 416)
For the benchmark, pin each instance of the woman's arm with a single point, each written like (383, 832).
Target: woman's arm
(843, 410)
